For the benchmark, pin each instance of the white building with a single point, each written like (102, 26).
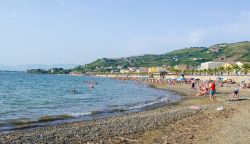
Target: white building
(239, 64)
(142, 70)
(123, 71)
(211, 65)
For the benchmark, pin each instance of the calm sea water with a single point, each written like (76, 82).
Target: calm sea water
(26, 98)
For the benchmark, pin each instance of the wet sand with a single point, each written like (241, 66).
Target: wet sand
(175, 123)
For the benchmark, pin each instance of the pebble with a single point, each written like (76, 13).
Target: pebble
(98, 131)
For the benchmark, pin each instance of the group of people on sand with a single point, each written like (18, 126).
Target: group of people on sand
(206, 88)
(203, 88)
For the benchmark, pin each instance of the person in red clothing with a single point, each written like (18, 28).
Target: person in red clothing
(212, 91)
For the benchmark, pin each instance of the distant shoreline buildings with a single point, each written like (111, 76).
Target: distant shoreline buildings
(211, 65)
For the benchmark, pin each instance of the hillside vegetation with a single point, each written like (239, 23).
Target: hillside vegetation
(237, 51)
(193, 56)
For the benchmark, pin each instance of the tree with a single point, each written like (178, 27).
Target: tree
(236, 68)
(200, 72)
(215, 71)
(245, 68)
(196, 72)
(192, 71)
(204, 71)
(209, 71)
(228, 69)
(221, 69)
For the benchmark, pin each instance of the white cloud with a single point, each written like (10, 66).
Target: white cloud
(9, 14)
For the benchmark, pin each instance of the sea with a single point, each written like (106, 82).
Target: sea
(36, 100)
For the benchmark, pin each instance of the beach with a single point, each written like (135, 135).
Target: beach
(174, 123)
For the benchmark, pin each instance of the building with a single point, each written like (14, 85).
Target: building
(239, 64)
(123, 71)
(115, 71)
(132, 69)
(153, 70)
(182, 67)
(211, 65)
(142, 70)
(228, 65)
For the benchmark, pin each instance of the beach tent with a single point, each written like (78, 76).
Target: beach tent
(247, 80)
(219, 79)
(181, 79)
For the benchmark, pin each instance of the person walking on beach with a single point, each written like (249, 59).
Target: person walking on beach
(212, 91)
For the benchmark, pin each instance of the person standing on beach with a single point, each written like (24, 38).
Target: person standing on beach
(193, 84)
(212, 91)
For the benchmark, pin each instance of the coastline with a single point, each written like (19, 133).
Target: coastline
(142, 127)
(13, 125)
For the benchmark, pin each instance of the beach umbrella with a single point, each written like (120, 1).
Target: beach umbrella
(247, 79)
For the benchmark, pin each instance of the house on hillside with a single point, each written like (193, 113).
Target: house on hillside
(75, 73)
(119, 67)
(215, 49)
(132, 69)
(182, 67)
(124, 71)
(142, 70)
(153, 70)
(115, 71)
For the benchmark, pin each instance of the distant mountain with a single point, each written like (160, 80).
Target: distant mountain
(193, 56)
(36, 66)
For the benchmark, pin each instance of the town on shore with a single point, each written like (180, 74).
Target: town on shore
(219, 59)
(207, 68)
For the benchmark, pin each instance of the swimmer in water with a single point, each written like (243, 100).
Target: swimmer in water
(91, 86)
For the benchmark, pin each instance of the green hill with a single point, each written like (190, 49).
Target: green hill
(237, 51)
(190, 56)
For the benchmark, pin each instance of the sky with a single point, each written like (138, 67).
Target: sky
(81, 31)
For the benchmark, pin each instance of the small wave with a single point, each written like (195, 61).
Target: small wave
(98, 112)
(54, 118)
(149, 103)
(27, 121)
(80, 114)
(20, 121)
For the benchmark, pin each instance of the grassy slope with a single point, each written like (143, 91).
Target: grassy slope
(238, 51)
(191, 56)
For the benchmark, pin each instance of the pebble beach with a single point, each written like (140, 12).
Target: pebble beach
(151, 126)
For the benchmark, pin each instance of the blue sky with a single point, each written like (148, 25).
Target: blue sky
(80, 31)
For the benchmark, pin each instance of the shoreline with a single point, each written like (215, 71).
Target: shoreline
(45, 121)
(139, 126)
(117, 119)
